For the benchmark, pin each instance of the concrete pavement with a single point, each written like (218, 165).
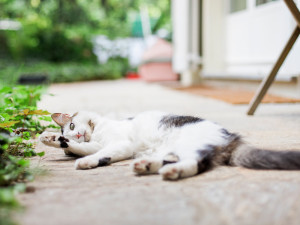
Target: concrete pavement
(113, 195)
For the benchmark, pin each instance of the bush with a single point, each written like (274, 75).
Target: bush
(19, 123)
(66, 72)
(57, 31)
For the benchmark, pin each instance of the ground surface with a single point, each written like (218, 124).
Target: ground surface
(113, 195)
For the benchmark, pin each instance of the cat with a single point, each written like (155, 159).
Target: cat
(174, 146)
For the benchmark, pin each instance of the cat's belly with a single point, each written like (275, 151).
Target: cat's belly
(152, 144)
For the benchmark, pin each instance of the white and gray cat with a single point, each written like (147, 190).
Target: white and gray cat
(171, 145)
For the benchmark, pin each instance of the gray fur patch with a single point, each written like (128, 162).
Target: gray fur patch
(225, 132)
(205, 158)
(218, 155)
(178, 121)
(249, 157)
(223, 154)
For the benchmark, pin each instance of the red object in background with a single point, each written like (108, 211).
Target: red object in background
(132, 75)
(157, 63)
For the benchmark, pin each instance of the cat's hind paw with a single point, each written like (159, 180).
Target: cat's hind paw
(170, 172)
(146, 166)
(141, 166)
(179, 170)
(86, 163)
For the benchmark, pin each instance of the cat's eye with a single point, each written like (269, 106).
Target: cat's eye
(72, 126)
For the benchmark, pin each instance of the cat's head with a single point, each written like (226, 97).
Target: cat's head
(78, 127)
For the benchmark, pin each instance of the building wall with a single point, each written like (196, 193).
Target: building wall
(255, 38)
(246, 44)
(186, 40)
(180, 19)
(213, 36)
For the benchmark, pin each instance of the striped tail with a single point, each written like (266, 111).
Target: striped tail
(253, 158)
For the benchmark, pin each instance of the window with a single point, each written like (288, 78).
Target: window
(260, 2)
(238, 5)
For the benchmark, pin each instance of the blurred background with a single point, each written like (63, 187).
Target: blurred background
(73, 40)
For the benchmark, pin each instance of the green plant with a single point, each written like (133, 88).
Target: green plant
(9, 203)
(12, 171)
(20, 122)
(21, 118)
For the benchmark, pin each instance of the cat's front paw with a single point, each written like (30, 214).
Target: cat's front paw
(170, 172)
(50, 139)
(87, 162)
(47, 138)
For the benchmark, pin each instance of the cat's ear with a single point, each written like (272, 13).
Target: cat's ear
(60, 118)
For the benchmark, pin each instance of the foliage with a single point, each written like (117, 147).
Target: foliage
(62, 30)
(51, 30)
(65, 72)
(8, 203)
(19, 123)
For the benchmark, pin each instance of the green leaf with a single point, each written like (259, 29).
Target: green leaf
(26, 135)
(23, 162)
(46, 118)
(40, 154)
(25, 112)
(8, 124)
(7, 197)
(39, 112)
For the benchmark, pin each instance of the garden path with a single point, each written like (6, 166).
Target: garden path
(113, 195)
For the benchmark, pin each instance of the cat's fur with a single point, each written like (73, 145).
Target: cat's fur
(171, 145)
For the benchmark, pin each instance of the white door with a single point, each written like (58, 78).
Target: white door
(255, 33)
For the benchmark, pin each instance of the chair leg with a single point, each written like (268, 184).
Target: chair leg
(294, 10)
(262, 90)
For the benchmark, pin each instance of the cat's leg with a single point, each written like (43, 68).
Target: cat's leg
(110, 154)
(151, 165)
(81, 149)
(188, 166)
(69, 146)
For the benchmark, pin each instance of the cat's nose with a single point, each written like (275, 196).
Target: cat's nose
(78, 135)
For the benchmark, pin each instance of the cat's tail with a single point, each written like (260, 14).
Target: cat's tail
(254, 158)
